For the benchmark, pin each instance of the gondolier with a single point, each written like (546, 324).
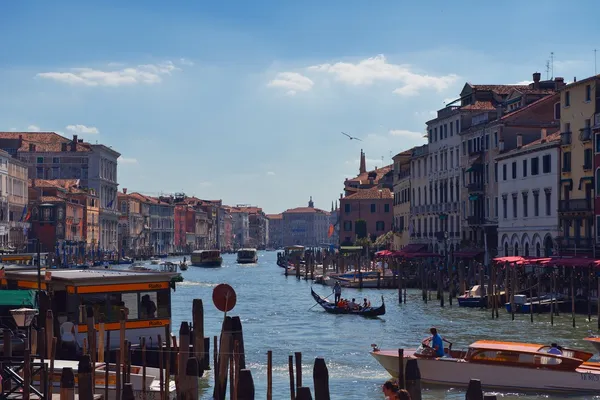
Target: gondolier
(337, 290)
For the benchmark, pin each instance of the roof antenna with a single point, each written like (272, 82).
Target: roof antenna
(595, 73)
(547, 69)
(552, 64)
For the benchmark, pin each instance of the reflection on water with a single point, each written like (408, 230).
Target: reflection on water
(276, 314)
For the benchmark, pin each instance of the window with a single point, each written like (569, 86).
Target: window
(487, 207)
(514, 170)
(588, 92)
(464, 144)
(348, 226)
(503, 171)
(347, 207)
(40, 160)
(514, 205)
(567, 98)
(457, 126)
(386, 208)
(504, 207)
(487, 173)
(380, 226)
(598, 181)
(39, 172)
(495, 172)
(535, 166)
(496, 207)
(56, 160)
(548, 202)
(557, 111)
(547, 164)
(536, 204)
(145, 305)
(525, 168)
(374, 207)
(524, 195)
(566, 161)
(587, 159)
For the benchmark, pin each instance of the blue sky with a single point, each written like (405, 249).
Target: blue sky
(245, 100)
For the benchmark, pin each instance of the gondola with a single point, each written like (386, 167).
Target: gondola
(333, 309)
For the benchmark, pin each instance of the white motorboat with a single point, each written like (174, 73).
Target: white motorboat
(151, 384)
(155, 261)
(503, 366)
(247, 256)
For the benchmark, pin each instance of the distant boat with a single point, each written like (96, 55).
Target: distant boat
(247, 256)
(334, 309)
(206, 258)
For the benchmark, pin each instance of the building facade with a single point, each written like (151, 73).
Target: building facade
(13, 199)
(579, 103)
(366, 213)
(241, 228)
(401, 199)
(134, 224)
(528, 221)
(305, 226)
(275, 230)
(419, 181)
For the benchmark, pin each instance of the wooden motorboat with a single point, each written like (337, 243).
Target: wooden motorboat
(247, 256)
(334, 309)
(594, 341)
(504, 366)
(524, 305)
(474, 298)
(151, 384)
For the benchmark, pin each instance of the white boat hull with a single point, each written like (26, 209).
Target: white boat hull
(457, 373)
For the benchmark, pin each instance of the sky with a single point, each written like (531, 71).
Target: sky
(245, 101)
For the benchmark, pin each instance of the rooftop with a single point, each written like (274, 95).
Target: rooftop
(44, 141)
(304, 210)
(378, 173)
(499, 89)
(275, 216)
(370, 194)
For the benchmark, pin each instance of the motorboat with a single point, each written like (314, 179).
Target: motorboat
(524, 305)
(594, 341)
(183, 266)
(503, 366)
(247, 256)
(206, 258)
(474, 298)
(155, 260)
(151, 384)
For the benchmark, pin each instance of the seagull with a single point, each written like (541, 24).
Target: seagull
(351, 137)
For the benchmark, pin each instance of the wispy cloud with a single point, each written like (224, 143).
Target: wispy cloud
(406, 134)
(377, 69)
(522, 83)
(82, 129)
(142, 74)
(33, 128)
(126, 160)
(293, 82)
(185, 61)
(271, 173)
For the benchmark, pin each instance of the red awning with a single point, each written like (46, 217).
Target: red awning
(468, 254)
(422, 255)
(535, 260)
(413, 248)
(572, 262)
(509, 259)
(384, 253)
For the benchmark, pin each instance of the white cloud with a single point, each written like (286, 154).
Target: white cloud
(292, 81)
(82, 129)
(406, 133)
(142, 74)
(271, 173)
(375, 69)
(426, 114)
(185, 61)
(522, 83)
(126, 160)
(33, 128)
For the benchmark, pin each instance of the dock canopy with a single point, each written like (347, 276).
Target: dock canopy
(13, 298)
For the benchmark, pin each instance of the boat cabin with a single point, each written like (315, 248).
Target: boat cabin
(206, 257)
(73, 294)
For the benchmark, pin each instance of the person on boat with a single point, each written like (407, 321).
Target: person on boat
(436, 342)
(337, 290)
(148, 307)
(555, 349)
(352, 305)
(402, 394)
(389, 389)
(366, 303)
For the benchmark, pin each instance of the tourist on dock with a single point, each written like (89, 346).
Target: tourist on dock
(337, 290)
(389, 389)
(402, 394)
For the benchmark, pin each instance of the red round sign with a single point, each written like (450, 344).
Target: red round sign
(224, 297)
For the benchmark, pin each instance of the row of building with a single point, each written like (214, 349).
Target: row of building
(63, 193)
(506, 170)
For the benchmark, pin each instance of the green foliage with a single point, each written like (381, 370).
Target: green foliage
(385, 240)
(364, 242)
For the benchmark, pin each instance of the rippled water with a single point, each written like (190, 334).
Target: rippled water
(276, 315)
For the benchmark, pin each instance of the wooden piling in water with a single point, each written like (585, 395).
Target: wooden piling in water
(321, 379)
(572, 297)
(291, 373)
(118, 378)
(238, 336)
(401, 383)
(67, 384)
(51, 371)
(198, 324)
(224, 350)
(183, 355)
(246, 385)
(269, 375)
(144, 395)
(49, 331)
(127, 393)
(106, 365)
(192, 371)
(413, 379)
(474, 390)
(161, 377)
(26, 373)
(216, 365)
(298, 357)
(85, 378)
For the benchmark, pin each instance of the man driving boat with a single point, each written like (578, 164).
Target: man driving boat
(436, 343)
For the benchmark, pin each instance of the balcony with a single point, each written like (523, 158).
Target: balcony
(475, 220)
(577, 205)
(565, 138)
(403, 175)
(475, 187)
(575, 243)
(585, 134)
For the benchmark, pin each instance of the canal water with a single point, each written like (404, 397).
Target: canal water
(277, 315)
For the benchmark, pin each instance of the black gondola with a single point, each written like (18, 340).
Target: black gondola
(333, 309)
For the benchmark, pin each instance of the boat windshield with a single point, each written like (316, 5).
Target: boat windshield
(506, 356)
(141, 305)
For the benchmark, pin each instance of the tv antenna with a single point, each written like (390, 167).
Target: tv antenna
(547, 69)
(552, 65)
(595, 62)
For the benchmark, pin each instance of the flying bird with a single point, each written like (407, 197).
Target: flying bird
(351, 137)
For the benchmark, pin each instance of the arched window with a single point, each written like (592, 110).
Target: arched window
(516, 249)
(526, 254)
(538, 252)
(506, 249)
(597, 180)
(548, 247)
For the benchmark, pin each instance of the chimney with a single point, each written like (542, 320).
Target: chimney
(499, 111)
(519, 140)
(124, 190)
(501, 145)
(559, 82)
(74, 143)
(543, 135)
(574, 79)
(363, 166)
(536, 80)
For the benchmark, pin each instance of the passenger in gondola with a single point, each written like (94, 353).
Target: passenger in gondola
(366, 303)
(352, 305)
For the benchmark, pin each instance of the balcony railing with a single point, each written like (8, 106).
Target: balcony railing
(475, 187)
(585, 134)
(576, 243)
(475, 220)
(575, 205)
(565, 138)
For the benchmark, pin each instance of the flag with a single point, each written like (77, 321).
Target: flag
(110, 203)
(330, 231)
(23, 213)
(28, 215)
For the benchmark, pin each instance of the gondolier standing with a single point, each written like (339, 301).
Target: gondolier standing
(337, 289)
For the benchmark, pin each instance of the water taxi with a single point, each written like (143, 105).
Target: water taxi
(206, 258)
(72, 294)
(594, 341)
(247, 256)
(151, 384)
(504, 366)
